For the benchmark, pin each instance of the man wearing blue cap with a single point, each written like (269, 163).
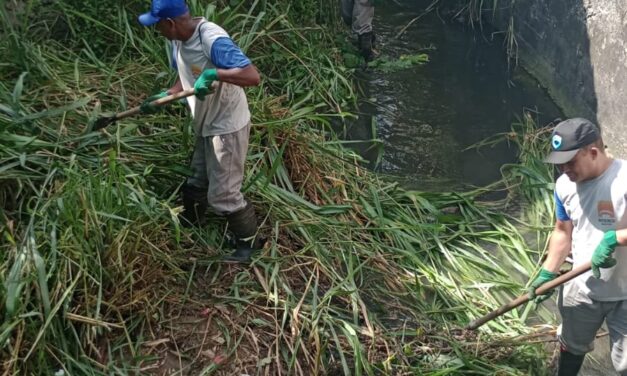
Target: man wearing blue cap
(208, 60)
(591, 224)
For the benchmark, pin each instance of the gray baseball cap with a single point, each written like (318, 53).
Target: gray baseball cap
(568, 137)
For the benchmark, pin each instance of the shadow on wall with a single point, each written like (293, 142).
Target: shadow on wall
(552, 41)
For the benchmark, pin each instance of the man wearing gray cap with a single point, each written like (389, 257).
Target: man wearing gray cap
(591, 224)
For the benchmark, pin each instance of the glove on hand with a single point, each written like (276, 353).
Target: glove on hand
(204, 81)
(147, 107)
(602, 256)
(541, 279)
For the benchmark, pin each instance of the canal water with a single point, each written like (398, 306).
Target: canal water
(428, 115)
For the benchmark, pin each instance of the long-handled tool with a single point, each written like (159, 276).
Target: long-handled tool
(525, 298)
(107, 120)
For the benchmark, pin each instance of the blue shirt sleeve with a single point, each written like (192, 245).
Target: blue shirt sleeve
(560, 211)
(225, 54)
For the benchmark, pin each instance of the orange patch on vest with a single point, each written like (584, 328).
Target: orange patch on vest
(605, 209)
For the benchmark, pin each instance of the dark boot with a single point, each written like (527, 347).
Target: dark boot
(194, 206)
(365, 45)
(243, 225)
(569, 364)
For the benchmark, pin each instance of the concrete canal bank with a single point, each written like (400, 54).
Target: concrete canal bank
(578, 50)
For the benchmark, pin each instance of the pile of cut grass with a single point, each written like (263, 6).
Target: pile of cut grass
(357, 275)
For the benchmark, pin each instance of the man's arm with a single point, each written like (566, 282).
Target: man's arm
(621, 237)
(147, 107)
(232, 65)
(246, 76)
(177, 87)
(559, 245)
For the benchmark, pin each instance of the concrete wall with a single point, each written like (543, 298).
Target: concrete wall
(578, 50)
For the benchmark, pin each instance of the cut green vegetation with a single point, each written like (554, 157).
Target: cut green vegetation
(358, 276)
(388, 65)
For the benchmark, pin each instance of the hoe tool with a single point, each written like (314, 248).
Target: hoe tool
(108, 120)
(525, 298)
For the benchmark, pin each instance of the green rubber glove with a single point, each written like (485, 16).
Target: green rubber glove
(204, 81)
(147, 107)
(541, 279)
(602, 256)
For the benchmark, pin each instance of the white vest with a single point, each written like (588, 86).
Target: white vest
(224, 111)
(596, 206)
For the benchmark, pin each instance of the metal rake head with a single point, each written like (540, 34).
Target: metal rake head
(104, 122)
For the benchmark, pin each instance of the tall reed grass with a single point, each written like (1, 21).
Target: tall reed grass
(358, 276)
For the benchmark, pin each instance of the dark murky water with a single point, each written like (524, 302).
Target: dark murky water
(427, 115)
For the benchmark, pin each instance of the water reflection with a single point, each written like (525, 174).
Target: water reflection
(427, 115)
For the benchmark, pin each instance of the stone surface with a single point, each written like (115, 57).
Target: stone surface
(578, 49)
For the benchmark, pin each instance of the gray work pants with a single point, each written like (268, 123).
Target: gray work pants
(218, 165)
(581, 319)
(359, 14)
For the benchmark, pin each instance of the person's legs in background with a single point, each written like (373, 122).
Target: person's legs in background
(358, 14)
(346, 11)
(363, 14)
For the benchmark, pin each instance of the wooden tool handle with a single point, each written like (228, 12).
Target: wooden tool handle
(156, 102)
(525, 298)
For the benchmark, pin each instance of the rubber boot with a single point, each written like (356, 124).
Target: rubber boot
(194, 206)
(365, 45)
(569, 363)
(243, 225)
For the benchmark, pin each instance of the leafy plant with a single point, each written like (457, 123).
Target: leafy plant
(388, 65)
(358, 276)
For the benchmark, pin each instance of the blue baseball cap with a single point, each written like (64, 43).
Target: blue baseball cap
(163, 9)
